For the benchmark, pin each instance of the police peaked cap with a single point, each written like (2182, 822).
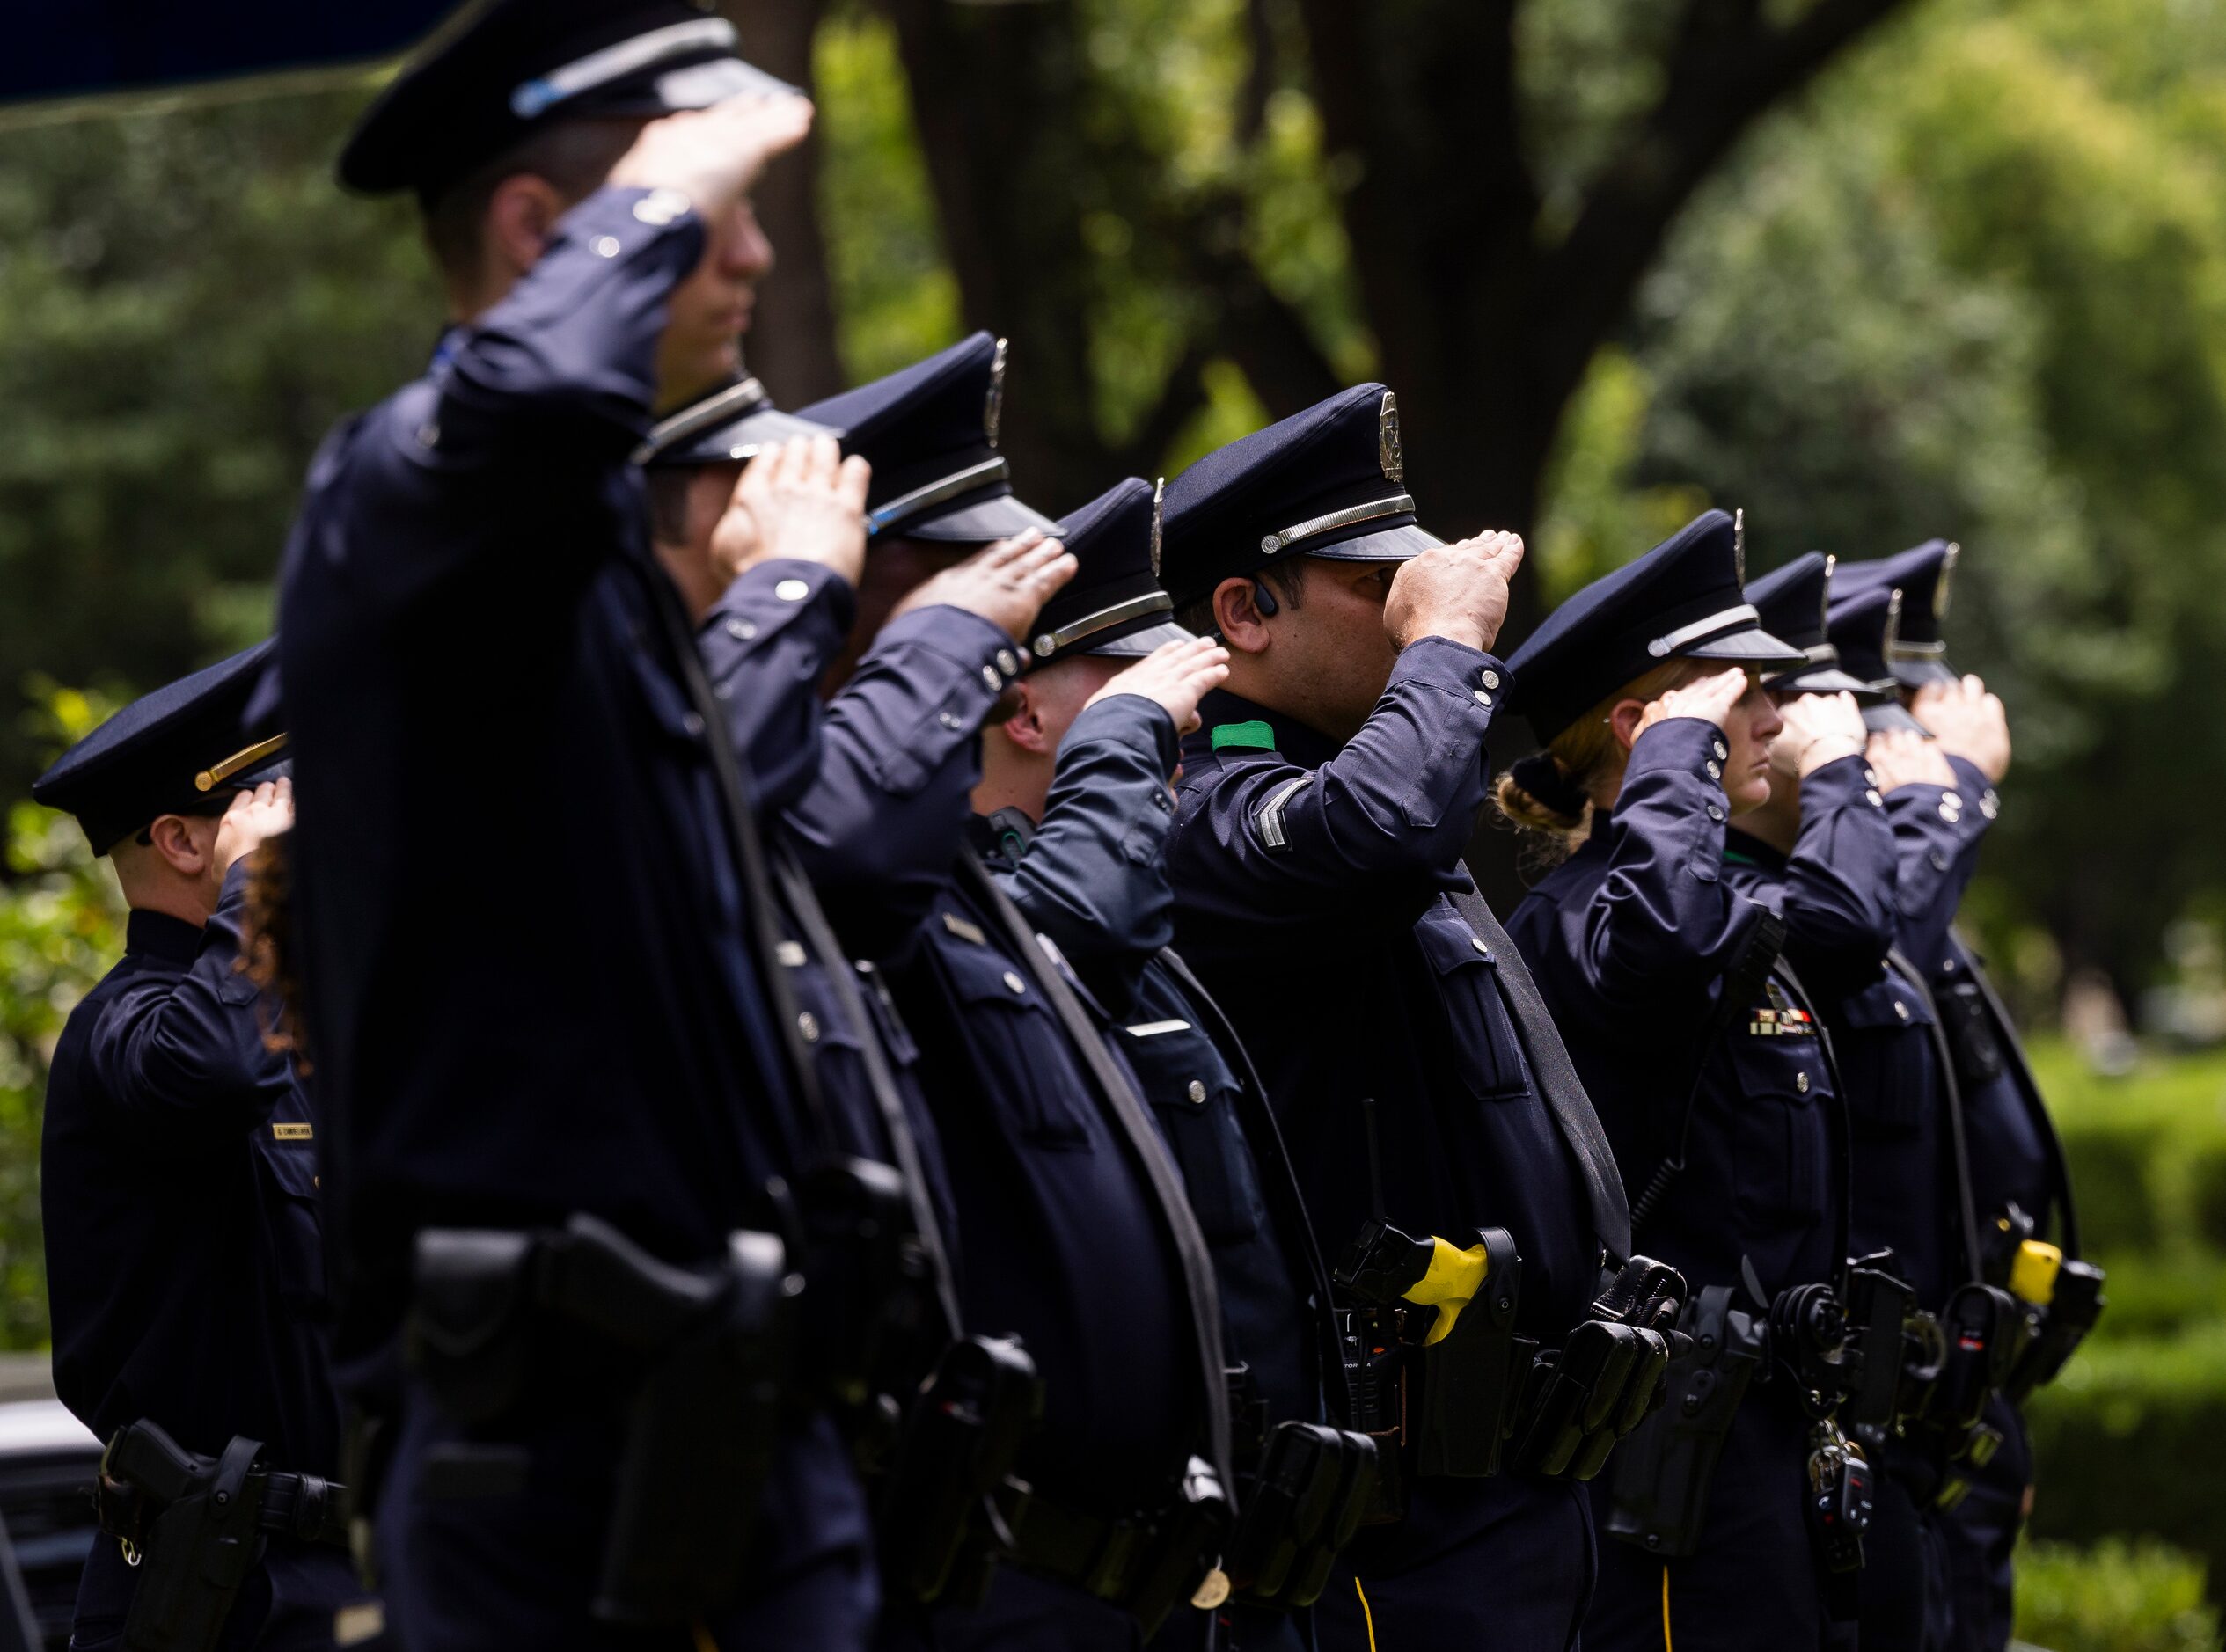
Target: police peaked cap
(1114, 604)
(930, 432)
(1923, 574)
(1684, 599)
(181, 749)
(1789, 603)
(726, 426)
(504, 69)
(1326, 482)
(1864, 628)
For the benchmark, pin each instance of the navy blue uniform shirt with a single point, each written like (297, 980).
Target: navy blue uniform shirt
(1092, 876)
(1628, 940)
(1311, 887)
(1062, 1238)
(530, 993)
(179, 1170)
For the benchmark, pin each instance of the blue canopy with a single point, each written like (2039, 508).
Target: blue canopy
(63, 49)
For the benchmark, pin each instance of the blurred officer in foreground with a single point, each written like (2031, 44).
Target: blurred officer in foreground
(1448, 1155)
(1076, 790)
(1075, 1233)
(184, 1262)
(556, 1128)
(1697, 1039)
(1956, 754)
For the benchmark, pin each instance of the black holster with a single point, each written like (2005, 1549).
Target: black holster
(949, 1504)
(1664, 1469)
(698, 1360)
(1472, 1377)
(2072, 1311)
(1148, 1563)
(1314, 1485)
(196, 1519)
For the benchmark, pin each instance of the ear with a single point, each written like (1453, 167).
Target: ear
(179, 844)
(1622, 721)
(521, 215)
(1025, 726)
(1238, 618)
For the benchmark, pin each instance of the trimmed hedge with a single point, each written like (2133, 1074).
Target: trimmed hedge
(2117, 1596)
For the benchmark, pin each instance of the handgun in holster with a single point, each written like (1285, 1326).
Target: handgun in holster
(1462, 1380)
(947, 1505)
(1577, 1400)
(192, 1525)
(1984, 1334)
(2059, 1299)
(1663, 1469)
(702, 1360)
(1314, 1485)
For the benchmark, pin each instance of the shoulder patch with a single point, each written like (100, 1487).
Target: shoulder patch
(1269, 818)
(1253, 736)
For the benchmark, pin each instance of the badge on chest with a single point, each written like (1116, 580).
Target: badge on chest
(1781, 1018)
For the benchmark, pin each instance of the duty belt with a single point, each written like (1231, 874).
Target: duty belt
(307, 1507)
(1147, 1563)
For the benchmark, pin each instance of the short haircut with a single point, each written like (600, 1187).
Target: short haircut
(575, 156)
(1288, 578)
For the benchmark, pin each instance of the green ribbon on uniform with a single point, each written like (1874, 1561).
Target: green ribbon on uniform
(1252, 736)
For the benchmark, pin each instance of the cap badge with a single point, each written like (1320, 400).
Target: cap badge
(1387, 453)
(1739, 546)
(1940, 589)
(1824, 597)
(1159, 494)
(993, 407)
(1893, 622)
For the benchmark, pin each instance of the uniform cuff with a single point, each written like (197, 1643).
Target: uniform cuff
(1691, 745)
(1132, 721)
(959, 635)
(1966, 817)
(618, 225)
(775, 593)
(1847, 782)
(1482, 678)
(1972, 783)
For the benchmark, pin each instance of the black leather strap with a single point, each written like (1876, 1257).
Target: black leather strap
(1959, 1145)
(1842, 1131)
(1555, 1075)
(897, 1128)
(1279, 1180)
(2037, 1109)
(307, 1507)
(1120, 1099)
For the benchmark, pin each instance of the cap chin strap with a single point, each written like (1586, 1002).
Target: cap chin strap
(717, 409)
(1720, 623)
(543, 92)
(906, 505)
(1052, 641)
(1397, 505)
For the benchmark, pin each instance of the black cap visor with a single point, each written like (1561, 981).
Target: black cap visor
(1822, 679)
(1914, 672)
(1400, 544)
(1134, 644)
(1749, 646)
(742, 439)
(973, 519)
(1889, 717)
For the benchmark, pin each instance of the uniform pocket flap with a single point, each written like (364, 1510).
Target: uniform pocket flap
(981, 974)
(1886, 1004)
(291, 1160)
(1448, 943)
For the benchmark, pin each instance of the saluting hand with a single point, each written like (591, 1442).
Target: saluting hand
(1820, 728)
(1968, 722)
(1902, 757)
(799, 500)
(1007, 583)
(253, 816)
(1175, 676)
(1710, 699)
(1458, 591)
(713, 156)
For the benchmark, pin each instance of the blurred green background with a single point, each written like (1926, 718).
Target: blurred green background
(1871, 269)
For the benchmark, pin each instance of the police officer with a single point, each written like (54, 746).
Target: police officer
(184, 1261)
(1906, 1188)
(1426, 1099)
(1076, 789)
(1074, 1228)
(2020, 1188)
(578, 1036)
(1704, 1058)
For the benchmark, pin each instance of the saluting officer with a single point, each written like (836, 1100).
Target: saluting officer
(1704, 1057)
(1076, 785)
(575, 1043)
(1447, 1153)
(184, 1261)
(1905, 1182)
(1958, 753)
(1074, 1232)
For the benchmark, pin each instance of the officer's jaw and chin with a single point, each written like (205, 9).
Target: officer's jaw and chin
(1323, 657)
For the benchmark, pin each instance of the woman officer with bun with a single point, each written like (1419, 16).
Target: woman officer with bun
(1704, 1061)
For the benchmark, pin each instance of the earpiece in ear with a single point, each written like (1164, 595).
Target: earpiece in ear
(1264, 599)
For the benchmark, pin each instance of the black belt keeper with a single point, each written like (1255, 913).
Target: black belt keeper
(1146, 1564)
